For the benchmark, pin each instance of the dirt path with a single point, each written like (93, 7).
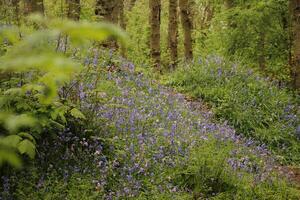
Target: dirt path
(291, 172)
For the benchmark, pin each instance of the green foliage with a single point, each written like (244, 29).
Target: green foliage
(33, 70)
(249, 31)
(55, 187)
(255, 107)
(209, 175)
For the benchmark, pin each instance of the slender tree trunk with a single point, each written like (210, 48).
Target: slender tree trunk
(74, 9)
(173, 31)
(187, 25)
(34, 6)
(295, 13)
(155, 11)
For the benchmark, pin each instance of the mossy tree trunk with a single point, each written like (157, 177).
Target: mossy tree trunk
(74, 9)
(295, 17)
(173, 31)
(186, 21)
(155, 11)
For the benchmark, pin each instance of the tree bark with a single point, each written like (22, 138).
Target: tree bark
(74, 9)
(187, 25)
(33, 6)
(155, 11)
(295, 16)
(173, 31)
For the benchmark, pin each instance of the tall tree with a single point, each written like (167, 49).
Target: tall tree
(173, 31)
(155, 11)
(33, 6)
(295, 16)
(186, 21)
(74, 9)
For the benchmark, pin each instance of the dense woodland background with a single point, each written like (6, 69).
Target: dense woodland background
(149, 99)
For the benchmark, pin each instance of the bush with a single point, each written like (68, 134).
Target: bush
(32, 70)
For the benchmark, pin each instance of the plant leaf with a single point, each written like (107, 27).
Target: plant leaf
(27, 147)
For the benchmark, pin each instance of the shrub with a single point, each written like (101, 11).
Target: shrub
(33, 69)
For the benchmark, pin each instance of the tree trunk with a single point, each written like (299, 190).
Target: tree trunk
(187, 25)
(155, 10)
(74, 9)
(107, 9)
(173, 31)
(33, 6)
(295, 13)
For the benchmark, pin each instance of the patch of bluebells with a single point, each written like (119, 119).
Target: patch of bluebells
(153, 129)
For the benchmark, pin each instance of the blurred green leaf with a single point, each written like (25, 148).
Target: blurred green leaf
(10, 141)
(27, 147)
(77, 114)
(10, 157)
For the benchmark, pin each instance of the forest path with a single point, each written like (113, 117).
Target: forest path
(291, 172)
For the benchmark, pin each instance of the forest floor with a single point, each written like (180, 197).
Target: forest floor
(151, 137)
(291, 172)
